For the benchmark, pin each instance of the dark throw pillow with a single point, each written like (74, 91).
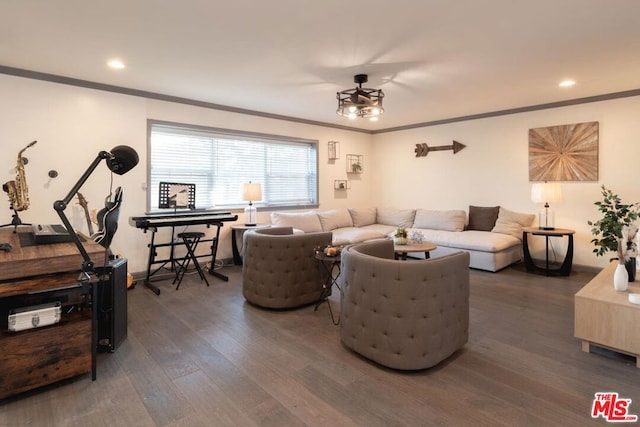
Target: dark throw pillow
(482, 218)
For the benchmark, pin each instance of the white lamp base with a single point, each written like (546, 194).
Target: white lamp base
(250, 214)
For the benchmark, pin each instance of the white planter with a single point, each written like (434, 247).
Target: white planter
(620, 278)
(403, 241)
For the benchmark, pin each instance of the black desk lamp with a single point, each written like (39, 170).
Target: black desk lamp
(120, 160)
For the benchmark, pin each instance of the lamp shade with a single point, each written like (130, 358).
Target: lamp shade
(546, 192)
(122, 159)
(251, 192)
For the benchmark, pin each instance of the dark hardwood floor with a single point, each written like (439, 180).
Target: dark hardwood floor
(204, 357)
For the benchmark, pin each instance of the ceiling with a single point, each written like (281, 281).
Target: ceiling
(434, 59)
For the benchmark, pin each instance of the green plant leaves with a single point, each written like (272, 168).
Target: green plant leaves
(609, 227)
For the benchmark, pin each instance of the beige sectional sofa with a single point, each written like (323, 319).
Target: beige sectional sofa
(491, 235)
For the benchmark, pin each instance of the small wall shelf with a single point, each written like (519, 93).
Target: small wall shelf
(341, 184)
(334, 150)
(355, 163)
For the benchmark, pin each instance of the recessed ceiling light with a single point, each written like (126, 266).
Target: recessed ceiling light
(567, 83)
(116, 64)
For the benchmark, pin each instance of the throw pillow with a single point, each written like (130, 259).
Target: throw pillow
(363, 216)
(483, 218)
(305, 221)
(511, 223)
(335, 218)
(440, 220)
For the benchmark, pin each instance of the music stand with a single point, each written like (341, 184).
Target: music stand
(177, 195)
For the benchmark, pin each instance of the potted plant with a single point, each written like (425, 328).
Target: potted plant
(400, 236)
(356, 167)
(608, 229)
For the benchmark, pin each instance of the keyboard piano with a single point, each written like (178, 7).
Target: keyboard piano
(179, 219)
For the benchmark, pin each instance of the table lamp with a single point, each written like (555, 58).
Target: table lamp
(545, 192)
(251, 192)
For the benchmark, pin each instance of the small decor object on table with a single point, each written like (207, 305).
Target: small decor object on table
(629, 249)
(329, 251)
(620, 276)
(400, 236)
(417, 236)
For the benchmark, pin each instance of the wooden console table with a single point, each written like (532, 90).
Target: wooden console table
(605, 318)
(34, 274)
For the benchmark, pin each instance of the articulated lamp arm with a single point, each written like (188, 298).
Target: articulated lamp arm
(120, 160)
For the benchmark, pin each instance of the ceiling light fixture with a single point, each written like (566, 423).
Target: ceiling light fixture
(360, 102)
(567, 83)
(116, 64)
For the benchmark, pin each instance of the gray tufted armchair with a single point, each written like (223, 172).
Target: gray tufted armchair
(279, 268)
(403, 314)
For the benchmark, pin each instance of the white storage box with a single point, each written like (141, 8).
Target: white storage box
(34, 316)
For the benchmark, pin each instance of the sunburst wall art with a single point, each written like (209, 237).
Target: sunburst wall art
(564, 153)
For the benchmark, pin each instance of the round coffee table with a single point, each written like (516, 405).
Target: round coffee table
(402, 250)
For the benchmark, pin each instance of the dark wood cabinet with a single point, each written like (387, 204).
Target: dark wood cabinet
(36, 274)
(41, 356)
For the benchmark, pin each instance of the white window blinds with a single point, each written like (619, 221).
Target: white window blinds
(219, 161)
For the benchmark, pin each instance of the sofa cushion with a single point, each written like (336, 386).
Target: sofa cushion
(511, 223)
(362, 217)
(483, 218)
(382, 229)
(452, 220)
(305, 221)
(396, 217)
(334, 218)
(471, 240)
(349, 235)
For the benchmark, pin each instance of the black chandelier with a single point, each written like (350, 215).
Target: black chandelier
(360, 102)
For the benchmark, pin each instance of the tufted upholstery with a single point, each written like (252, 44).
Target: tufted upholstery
(280, 269)
(403, 314)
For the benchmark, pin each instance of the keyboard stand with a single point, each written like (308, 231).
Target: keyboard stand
(152, 260)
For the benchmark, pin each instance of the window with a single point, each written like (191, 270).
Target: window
(218, 161)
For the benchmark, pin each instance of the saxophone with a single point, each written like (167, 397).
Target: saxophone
(18, 190)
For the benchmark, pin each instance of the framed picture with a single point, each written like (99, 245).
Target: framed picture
(564, 153)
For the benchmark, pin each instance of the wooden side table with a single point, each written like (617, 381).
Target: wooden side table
(565, 268)
(402, 250)
(236, 232)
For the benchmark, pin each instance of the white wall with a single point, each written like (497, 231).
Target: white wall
(493, 168)
(73, 124)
